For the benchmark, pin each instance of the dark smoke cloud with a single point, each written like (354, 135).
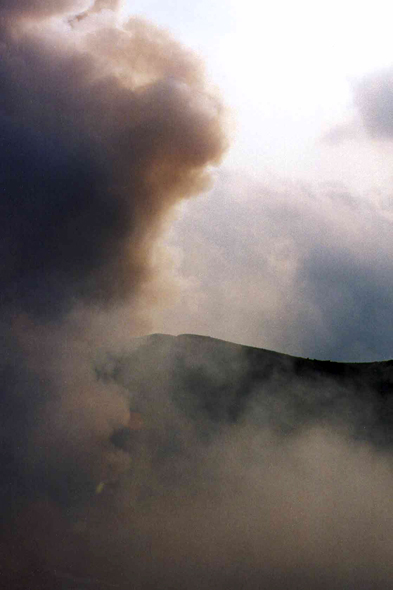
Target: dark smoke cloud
(102, 131)
(104, 126)
(40, 8)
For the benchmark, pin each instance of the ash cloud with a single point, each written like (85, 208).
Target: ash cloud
(104, 126)
(102, 132)
(103, 129)
(39, 8)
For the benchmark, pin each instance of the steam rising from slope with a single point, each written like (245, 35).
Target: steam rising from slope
(103, 129)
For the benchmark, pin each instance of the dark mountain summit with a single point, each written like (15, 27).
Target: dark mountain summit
(217, 382)
(230, 456)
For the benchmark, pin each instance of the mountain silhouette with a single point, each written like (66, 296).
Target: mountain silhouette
(217, 382)
(230, 455)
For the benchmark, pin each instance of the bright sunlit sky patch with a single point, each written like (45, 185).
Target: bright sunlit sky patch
(286, 68)
(292, 249)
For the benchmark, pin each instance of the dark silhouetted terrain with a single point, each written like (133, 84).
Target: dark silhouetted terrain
(227, 449)
(218, 382)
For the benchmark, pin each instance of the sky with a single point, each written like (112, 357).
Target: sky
(291, 250)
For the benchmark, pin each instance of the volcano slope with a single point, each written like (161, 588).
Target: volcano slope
(240, 467)
(216, 383)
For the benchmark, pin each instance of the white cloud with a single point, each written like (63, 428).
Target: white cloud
(299, 269)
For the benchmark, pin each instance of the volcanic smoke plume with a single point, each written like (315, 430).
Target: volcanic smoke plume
(104, 126)
(103, 129)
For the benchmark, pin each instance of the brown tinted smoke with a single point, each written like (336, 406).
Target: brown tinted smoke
(103, 128)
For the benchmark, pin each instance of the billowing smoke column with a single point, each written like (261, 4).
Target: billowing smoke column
(102, 130)
(373, 98)
(104, 126)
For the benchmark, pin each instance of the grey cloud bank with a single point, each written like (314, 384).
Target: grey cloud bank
(372, 107)
(295, 268)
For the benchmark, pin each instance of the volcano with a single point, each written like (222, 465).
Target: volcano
(212, 442)
(218, 382)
